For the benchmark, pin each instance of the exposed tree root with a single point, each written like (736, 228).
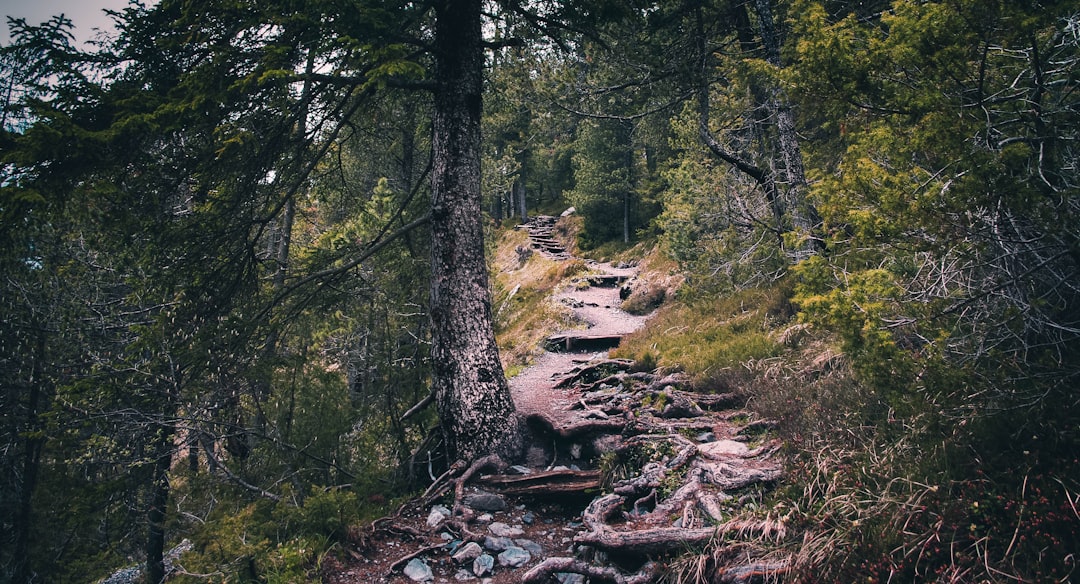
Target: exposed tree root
(677, 466)
(543, 571)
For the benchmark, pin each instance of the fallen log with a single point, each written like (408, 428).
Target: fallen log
(551, 482)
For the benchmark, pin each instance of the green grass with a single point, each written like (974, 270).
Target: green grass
(713, 339)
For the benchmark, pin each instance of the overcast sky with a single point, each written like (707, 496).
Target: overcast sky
(86, 14)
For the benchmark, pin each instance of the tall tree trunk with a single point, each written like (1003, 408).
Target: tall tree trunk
(627, 131)
(476, 411)
(803, 216)
(155, 514)
(30, 465)
(519, 195)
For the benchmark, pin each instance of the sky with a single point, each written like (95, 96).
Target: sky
(86, 14)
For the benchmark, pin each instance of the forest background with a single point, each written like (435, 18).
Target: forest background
(216, 233)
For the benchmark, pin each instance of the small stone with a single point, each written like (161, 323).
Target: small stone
(530, 546)
(497, 544)
(483, 565)
(569, 578)
(501, 529)
(514, 557)
(482, 501)
(485, 518)
(437, 516)
(468, 553)
(519, 469)
(418, 571)
(464, 576)
(706, 437)
(528, 518)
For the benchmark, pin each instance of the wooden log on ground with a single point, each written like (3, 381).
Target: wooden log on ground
(553, 482)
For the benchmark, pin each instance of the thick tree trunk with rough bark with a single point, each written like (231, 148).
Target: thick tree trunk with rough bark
(475, 408)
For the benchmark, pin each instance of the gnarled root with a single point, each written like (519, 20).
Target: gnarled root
(543, 571)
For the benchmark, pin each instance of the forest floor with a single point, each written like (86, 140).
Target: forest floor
(626, 470)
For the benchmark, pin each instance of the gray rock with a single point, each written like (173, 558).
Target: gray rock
(483, 565)
(418, 571)
(501, 529)
(485, 518)
(468, 553)
(519, 469)
(569, 578)
(528, 518)
(437, 516)
(482, 501)
(514, 557)
(464, 576)
(497, 544)
(530, 546)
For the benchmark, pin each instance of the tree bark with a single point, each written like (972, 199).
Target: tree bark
(155, 514)
(476, 411)
(519, 195)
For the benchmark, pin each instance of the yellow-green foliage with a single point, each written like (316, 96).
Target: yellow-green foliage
(712, 338)
(272, 542)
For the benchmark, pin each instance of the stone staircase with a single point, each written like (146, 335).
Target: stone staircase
(541, 230)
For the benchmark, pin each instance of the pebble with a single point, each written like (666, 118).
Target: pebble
(528, 518)
(437, 516)
(501, 529)
(497, 544)
(514, 557)
(530, 546)
(483, 565)
(468, 553)
(418, 571)
(483, 501)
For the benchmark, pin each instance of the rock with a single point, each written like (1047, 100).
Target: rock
(501, 529)
(464, 576)
(568, 212)
(483, 565)
(528, 518)
(514, 557)
(569, 578)
(437, 516)
(418, 571)
(722, 449)
(468, 553)
(485, 518)
(519, 469)
(530, 546)
(483, 501)
(497, 544)
(679, 406)
(706, 437)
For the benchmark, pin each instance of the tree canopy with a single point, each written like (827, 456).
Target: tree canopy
(252, 237)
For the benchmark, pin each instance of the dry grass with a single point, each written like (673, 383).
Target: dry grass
(522, 306)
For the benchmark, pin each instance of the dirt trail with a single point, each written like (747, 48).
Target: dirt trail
(681, 466)
(533, 389)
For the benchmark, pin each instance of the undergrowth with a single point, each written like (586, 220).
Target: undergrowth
(885, 484)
